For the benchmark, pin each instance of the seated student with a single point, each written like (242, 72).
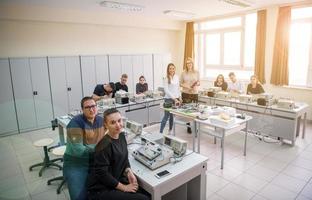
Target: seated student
(234, 85)
(122, 84)
(102, 91)
(220, 82)
(141, 86)
(111, 176)
(84, 131)
(254, 87)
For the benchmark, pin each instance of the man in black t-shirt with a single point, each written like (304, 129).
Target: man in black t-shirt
(122, 85)
(102, 91)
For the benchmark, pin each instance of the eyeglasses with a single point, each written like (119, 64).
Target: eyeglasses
(90, 107)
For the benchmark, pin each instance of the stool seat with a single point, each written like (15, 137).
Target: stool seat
(46, 160)
(59, 151)
(43, 142)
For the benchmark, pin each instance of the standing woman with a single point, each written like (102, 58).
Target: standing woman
(189, 81)
(111, 177)
(254, 87)
(220, 82)
(172, 95)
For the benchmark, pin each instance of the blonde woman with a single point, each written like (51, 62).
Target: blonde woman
(189, 81)
(172, 95)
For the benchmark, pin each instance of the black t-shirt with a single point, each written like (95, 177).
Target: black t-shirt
(100, 91)
(110, 162)
(121, 87)
(224, 85)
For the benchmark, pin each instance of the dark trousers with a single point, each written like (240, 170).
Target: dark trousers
(189, 98)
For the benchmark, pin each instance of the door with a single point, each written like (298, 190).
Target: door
(114, 68)
(73, 82)
(8, 122)
(23, 92)
(58, 85)
(88, 75)
(41, 90)
(148, 71)
(101, 69)
(126, 68)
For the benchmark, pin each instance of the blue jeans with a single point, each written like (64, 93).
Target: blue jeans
(76, 179)
(165, 118)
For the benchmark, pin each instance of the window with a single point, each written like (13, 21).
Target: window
(300, 47)
(226, 45)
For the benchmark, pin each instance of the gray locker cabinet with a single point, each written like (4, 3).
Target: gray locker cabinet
(148, 71)
(41, 89)
(160, 62)
(8, 121)
(138, 70)
(94, 70)
(73, 82)
(57, 71)
(126, 68)
(88, 74)
(101, 69)
(31, 91)
(114, 62)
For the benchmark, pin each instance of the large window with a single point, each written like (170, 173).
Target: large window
(226, 45)
(300, 47)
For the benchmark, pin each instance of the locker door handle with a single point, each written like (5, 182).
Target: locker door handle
(35, 93)
(69, 89)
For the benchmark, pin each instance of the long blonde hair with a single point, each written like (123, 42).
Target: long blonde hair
(191, 61)
(168, 75)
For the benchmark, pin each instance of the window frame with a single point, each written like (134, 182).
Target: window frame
(200, 50)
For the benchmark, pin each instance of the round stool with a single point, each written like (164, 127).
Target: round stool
(58, 151)
(46, 160)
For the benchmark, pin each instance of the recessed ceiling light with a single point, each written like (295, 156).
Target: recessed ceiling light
(241, 3)
(122, 6)
(180, 14)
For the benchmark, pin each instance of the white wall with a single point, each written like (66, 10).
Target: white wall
(43, 31)
(303, 95)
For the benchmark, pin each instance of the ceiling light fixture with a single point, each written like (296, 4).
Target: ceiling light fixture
(241, 3)
(180, 14)
(122, 6)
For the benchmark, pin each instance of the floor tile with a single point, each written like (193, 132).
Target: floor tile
(227, 172)
(290, 183)
(307, 191)
(250, 182)
(275, 192)
(262, 172)
(215, 183)
(231, 191)
(298, 172)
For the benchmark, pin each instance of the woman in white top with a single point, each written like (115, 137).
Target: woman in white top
(172, 95)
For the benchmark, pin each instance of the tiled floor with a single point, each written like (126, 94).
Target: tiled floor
(269, 171)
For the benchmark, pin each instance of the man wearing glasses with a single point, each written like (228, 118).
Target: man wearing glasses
(84, 131)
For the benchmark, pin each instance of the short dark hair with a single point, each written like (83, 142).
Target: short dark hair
(141, 77)
(84, 99)
(112, 85)
(109, 112)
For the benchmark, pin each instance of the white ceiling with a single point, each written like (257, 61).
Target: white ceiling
(153, 8)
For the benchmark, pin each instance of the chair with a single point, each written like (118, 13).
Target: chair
(46, 160)
(58, 151)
